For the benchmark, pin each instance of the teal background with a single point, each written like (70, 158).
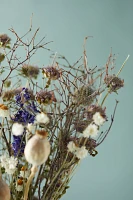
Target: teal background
(110, 174)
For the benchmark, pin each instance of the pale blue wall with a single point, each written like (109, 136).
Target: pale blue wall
(109, 176)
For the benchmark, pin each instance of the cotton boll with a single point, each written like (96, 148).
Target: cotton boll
(4, 190)
(37, 149)
(17, 129)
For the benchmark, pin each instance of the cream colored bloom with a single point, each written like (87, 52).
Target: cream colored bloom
(71, 147)
(9, 163)
(98, 119)
(19, 188)
(4, 111)
(91, 130)
(25, 174)
(17, 129)
(42, 118)
(81, 152)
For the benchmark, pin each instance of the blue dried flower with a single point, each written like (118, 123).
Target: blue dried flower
(18, 145)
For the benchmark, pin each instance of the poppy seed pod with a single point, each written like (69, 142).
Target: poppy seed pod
(37, 148)
(4, 190)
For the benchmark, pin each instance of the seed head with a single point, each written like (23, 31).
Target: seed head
(4, 40)
(45, 97)
(51, 73)
(114, 83)
(30, 71)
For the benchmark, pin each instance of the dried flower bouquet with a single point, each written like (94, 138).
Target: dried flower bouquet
(50, 117)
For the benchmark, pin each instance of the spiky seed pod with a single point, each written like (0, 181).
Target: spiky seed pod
(8, 95)
(92, 109)
(114, 83)
(4, 190)
(83, 95)
(51, 73)
(4, 40)
(2, 57)
(37, 148)
(45, 97)
(30, 71)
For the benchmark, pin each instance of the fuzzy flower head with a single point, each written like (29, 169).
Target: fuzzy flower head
(4, 111)
(42, 118)
(83, 95)
(98, 119)
(8, 95)
(51, 73)
(92, 109)
(81, 152)
(30, 71)
(114, 83)
(17, 129)
(71, 147)
(9, 163)
(91, 130)
(4, 40)
(45, 97)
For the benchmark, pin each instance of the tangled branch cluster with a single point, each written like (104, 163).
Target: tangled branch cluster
(50, 123)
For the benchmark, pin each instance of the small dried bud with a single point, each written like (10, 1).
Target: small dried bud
(7, 83)
(114, 83)
(83, 95)
(4, 40)
(30, 71)
(51, 72)
(2, 57)
(45, 97)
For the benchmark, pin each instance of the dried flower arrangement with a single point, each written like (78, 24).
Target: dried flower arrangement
(51, 123)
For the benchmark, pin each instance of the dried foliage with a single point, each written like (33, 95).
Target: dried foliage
(63, 100)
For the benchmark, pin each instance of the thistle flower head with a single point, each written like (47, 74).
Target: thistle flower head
(29, 71)
(81, 152)
(51, 72)
(42, 118)
(114, 83)
(45, 97)
(8, 95)
(4, 40)
(83, 95)
(80, 125)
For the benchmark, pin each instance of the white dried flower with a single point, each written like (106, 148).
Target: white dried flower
(91, 130)
(37, 148)
(98, 119)
(25, 174)
(81, 152)
(42, 118)
(30, 127)
(71, 147)
(19, 188)
(4, 111)
(9, 163)
(19, 185)
(17, 129)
